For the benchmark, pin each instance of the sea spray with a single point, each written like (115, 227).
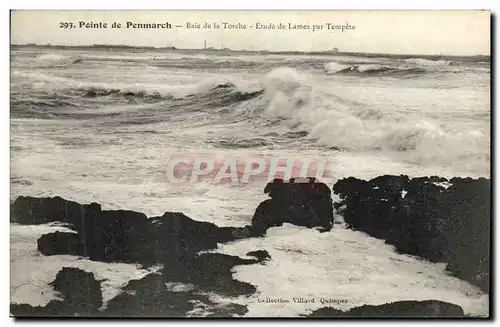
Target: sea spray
(291, 96)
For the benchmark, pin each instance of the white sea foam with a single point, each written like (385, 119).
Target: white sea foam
(381, 126)
(292, 96)
(52, 60)
(428, 63)
(342, 265)
(31, 272)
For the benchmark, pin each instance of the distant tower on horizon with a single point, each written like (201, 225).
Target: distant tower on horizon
(335, 50)
(205, 45)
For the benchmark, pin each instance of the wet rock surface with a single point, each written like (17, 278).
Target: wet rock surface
(423, 309)
(172, 240)
(434, 218)
(81, 293)
(60, 243)
(119, 235)
(299, 202)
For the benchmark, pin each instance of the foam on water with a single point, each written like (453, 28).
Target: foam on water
(291, 95)
(52, 83)
(31, 272)
(428, 63)
(342, 265)
(364, 127)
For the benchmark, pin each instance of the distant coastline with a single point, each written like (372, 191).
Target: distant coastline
(226, 51)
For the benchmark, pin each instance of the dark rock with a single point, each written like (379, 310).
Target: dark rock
(81, 291)
(300, 203)
(421, 217)
(81, 294)
(116, 236)
(52, 309)
(122, 235)
(429, 308)
(128, 236)
(181, 233)
(325, 312)
(204, 273)
(467, 231)
(60, 243)
(28, 210)
(210, 272)
(91, 93)
(234, 233)
(150, 297)
(260, 254)
(228, 310)
(173, 240)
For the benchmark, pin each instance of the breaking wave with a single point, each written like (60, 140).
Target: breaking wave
(406, 67)
(428, 63)
(282, 101)
(218, 95)
(51, 57)
(367, 69)
(59, 97)
(46, 82)
(334, 124)
(54, 60)
(371, 69)
(55, 87)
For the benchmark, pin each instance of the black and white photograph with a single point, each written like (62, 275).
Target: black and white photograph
(250, 164)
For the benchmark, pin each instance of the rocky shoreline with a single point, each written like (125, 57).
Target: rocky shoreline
(434, 218)
(418, 216)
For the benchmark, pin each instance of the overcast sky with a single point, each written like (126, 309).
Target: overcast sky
(405, 32)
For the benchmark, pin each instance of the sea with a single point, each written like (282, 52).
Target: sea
(99, 124)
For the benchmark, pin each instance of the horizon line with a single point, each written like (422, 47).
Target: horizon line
(174, 48)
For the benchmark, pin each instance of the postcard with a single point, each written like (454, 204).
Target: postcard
(241, 164)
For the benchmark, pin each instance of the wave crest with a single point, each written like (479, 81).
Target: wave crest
(371, 69)
(54, 60)
(286, 92)
(428, 63)
(358, 128)
(406, 67)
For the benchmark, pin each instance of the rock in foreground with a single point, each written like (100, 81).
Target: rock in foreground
(60, 243)
(172, 240)
(147, 297)
(434, 218)
(423, 309)
(80, 291)
(119, 235)
(302, 203)
(131, 237)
